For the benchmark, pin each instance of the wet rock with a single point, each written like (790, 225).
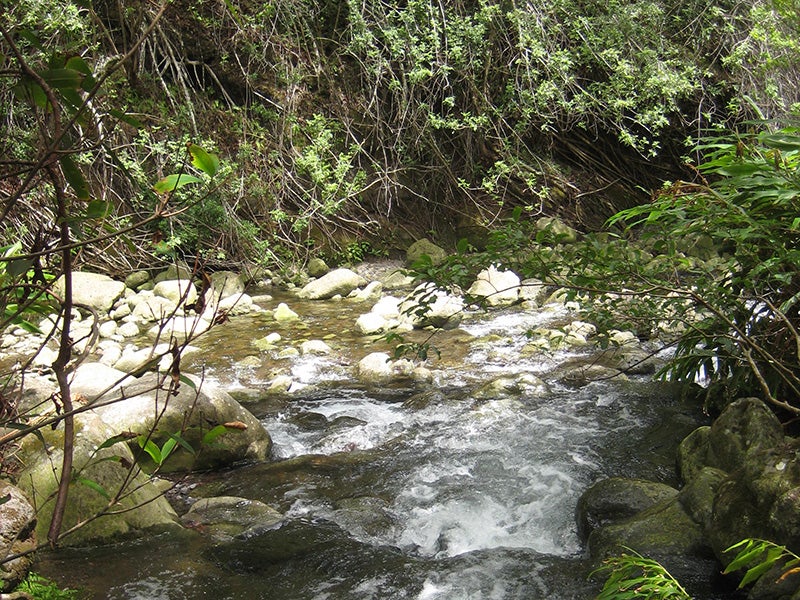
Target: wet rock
(662, 530)
(615, 499)
(339, 282)
(378, 367)
(17, 535)
(194, 411)
(315, 348)
(428, 306)
(425, 247)
(224, 517)
(283, 313)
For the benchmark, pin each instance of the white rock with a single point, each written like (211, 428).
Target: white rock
(178, 291)
(107, 329)
(498, 288)
(284, 313)
(92, 289)
(338, 282)
(370, 293)
(371, 323)
(128, 330)
(314, 347)
(181, 328)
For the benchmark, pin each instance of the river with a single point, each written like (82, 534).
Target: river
(432, 491)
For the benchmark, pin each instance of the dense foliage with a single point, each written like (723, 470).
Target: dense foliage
(340, 120)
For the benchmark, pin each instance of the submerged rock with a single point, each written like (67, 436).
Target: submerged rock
(224, 517)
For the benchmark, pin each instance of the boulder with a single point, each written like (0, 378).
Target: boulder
(317, 267)
(740, 435)
(425, 247)
(137, 279)
(91, 379)
(223, 285)
(177, 291)
(179, 270)
(428, 306)
(104, 473)
(193, 412)
(283, 313)
(495, 287)
(617, 498)
(17, 535)
(225, 517)
(100, 292)
(665, 529)
(378, 367)
(563, 233)
(339, 282)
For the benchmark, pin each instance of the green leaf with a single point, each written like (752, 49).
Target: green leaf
(93, 485)
(206, 162)
(116, 439)
(188, 381)
(74, 177)
(173, 182)
(213, 434)
(183, 443)
(168, 448)
(150, 447)
(98, 209)
(68, 79)
(126, 118)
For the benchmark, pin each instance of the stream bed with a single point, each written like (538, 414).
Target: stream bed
(402, 491)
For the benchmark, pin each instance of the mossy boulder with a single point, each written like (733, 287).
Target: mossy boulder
(105, 481)
(425, 247)
(195, 409)
(617, 498)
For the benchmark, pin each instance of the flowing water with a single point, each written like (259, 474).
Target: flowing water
(418, 492)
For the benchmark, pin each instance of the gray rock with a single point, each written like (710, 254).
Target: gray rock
(425, 247)
(339, 282)
(197, 408)
(225, 517)
(564, 234)
(136, 279)
(92, 289)
(17, 535)
(617, 498)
